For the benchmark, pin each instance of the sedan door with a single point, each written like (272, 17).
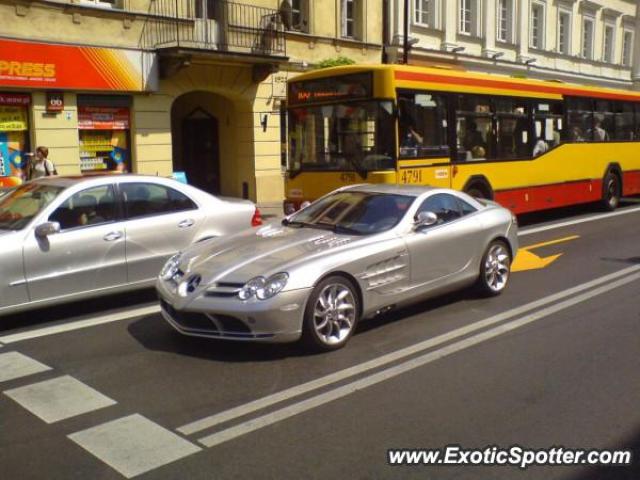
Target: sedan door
(87, 254)
(440, 251)
(160, 221)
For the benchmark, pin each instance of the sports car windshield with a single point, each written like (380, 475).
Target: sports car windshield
(360, 213)
(19, 207)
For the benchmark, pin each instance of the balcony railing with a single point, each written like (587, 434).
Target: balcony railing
(225, 26)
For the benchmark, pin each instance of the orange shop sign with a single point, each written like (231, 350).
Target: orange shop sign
(103, 118)
(52, 66)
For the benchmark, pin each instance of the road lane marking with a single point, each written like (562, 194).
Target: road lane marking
(592, 218)
(134, 445)
(527, 260)
(261, 403)
(389, 373)
(16, 365)
(59, 398)
(89, 322)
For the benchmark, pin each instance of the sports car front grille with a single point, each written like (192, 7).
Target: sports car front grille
(224, 289)
(203, 323)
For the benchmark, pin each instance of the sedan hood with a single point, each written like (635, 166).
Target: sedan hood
(267, 250)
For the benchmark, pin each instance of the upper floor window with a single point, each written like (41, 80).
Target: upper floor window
(587, 37)
(564, 32)
(424, 12)
(105, 3)
(537, 25)
(295, 15)
(608, 46)
(505, 21)
(627, 48)
(469, 17)
(350, 15)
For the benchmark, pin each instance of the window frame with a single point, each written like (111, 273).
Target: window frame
(627, 47)
(537, 42)
(504, 15)
(468, 12)
(564, 13)
(418, 13)
(586, 50)
(608, 51)
(302, 10)
(354, 21)
(442, 115)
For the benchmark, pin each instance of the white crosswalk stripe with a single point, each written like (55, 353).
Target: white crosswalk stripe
(16, 365)
(59, 398)
(133, 445)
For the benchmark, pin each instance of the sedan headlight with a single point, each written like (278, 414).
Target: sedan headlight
(263, 288)
(171, 267)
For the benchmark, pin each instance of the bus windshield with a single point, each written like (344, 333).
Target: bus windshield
(353, 135)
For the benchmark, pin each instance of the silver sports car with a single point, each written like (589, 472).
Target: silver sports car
(67, 238)
(352, 254)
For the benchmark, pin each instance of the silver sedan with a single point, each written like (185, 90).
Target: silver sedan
(66, 238)
(351, 255)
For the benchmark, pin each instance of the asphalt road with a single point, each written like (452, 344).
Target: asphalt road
(552, 362)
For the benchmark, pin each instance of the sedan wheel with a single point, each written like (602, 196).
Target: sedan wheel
(331, 314)
(495, 269)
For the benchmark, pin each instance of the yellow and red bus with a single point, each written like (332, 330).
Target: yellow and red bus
(528, 144)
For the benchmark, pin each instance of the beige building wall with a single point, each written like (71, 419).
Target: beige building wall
(439, 37)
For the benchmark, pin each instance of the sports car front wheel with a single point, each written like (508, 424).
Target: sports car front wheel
(494, 269)
(331, 314)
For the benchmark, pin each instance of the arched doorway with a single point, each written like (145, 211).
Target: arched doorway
(196, 139)
(200, 150)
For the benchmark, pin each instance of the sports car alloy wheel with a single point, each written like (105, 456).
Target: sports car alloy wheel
(331, 315)
(495, 269)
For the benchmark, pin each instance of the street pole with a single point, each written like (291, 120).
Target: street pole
(405, 47)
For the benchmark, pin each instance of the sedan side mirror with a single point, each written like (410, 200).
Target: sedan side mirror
(48, 228)
(425, 219)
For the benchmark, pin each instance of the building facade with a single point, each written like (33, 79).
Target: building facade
(583, 41)
(164, 86)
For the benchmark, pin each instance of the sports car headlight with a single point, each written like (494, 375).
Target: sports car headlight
(171, 267)
(263, 288)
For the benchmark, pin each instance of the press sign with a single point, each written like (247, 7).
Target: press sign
(55, 101)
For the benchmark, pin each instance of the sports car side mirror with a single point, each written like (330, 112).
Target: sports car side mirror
(48, 228)
(425, 219)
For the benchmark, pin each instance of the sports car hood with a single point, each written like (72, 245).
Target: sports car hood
(267, 250)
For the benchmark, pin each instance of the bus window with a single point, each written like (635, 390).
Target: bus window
(474, 127)
(512, 125)
(547, 126)
(603, 121)
(623, 121)
(580, 119)
(422, 124)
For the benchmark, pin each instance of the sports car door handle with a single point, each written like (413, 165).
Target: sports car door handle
(186, 223)
(110, 237)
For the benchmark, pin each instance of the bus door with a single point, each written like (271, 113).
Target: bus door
(423, 150)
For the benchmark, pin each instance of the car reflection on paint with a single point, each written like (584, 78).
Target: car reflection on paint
(70, 238)
(350, 255)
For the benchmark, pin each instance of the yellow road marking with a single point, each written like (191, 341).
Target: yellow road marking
(526, 260)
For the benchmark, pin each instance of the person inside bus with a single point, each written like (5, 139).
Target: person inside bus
(473, 140)
(599, 133)
(540, 147)
(411, 142)
(576, 134)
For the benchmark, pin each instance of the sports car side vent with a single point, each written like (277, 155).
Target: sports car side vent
(224, 289)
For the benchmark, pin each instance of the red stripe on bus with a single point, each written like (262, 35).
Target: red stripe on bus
(529, 199)
(631, 182)
(508, 85)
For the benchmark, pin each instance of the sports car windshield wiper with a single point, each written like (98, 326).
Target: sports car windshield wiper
(298, 223)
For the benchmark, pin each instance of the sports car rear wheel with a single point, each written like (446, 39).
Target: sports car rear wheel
(495, 269)
(331, 314)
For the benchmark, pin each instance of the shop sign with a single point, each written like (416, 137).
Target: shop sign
(44, 65)
(12, 119)
(15, 99)
(103, 118)
(55, 101)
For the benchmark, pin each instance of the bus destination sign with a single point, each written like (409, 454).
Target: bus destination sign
(346, 87)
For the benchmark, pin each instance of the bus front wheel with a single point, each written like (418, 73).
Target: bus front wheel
(611, 191)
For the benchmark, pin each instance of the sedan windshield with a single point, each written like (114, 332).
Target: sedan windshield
(359, 213)
(19, 207)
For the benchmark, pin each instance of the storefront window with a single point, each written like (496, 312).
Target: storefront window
(14, 133)
(104, 124)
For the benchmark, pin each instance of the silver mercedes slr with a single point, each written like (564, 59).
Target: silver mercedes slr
(352, 254)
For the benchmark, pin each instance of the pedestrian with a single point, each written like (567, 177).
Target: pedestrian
(40, 165)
